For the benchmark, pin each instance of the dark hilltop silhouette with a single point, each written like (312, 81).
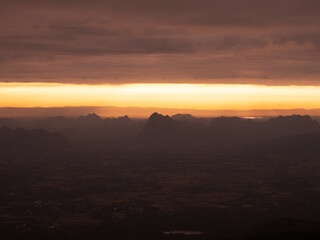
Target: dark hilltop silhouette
(223, 131)
(30, 140)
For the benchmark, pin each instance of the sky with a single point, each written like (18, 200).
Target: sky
(270, 43)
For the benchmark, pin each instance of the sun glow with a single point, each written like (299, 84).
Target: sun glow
(186, 96)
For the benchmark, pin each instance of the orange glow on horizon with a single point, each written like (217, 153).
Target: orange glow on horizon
(183, 96)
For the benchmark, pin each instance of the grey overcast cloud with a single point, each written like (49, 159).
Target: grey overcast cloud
(274, 42)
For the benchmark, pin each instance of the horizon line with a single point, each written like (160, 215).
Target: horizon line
(144, 112)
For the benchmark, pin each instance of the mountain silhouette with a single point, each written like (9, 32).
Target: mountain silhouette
(180, 130)
(183, 117)
(21, 139)
(163, 131)
(118, 122)
(56, 124)
(91, 117)
(191, 119)
(125, 118)
(159, 126)
(91, 120)
(304, 144)
(223, 131)
(290, 125)
(234, 130)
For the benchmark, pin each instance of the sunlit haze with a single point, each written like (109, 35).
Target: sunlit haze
(186, 96)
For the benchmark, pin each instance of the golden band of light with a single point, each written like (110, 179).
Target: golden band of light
(187, 96)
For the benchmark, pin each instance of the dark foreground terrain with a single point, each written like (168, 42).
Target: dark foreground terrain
(151, 187)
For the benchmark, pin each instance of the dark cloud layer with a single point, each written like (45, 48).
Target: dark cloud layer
(215, 41)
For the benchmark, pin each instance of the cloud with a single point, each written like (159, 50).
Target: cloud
(216, 41)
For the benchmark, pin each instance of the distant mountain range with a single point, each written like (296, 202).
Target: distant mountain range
(305, 144)
(34, 140)
(179, 131)
(223, 131)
